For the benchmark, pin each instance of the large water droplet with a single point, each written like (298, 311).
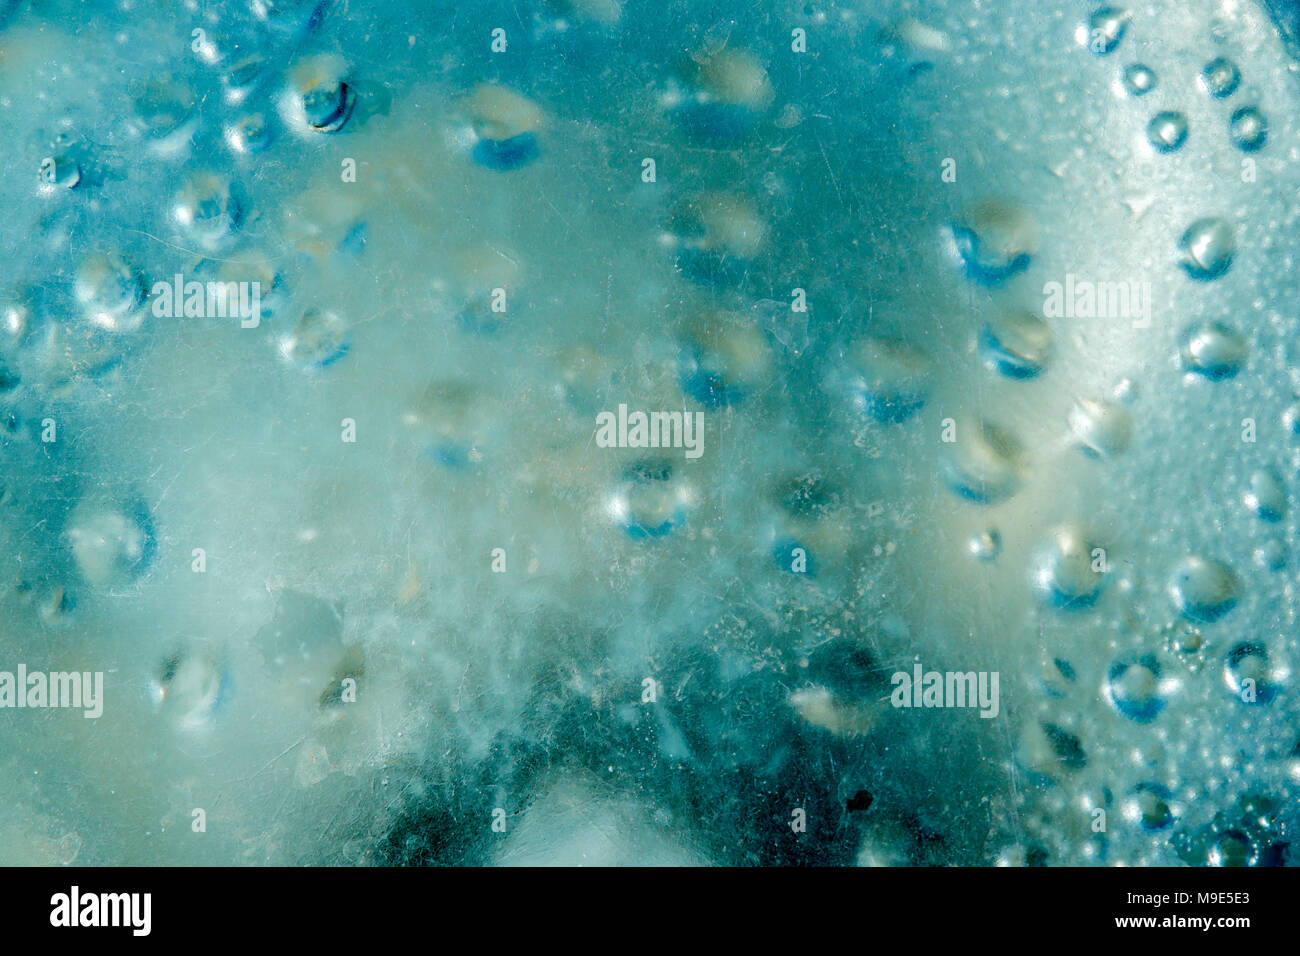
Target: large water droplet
(985, 464)
(996, 240)
(1150, 806)
(1206, 248)
(890, 380)
(1017, 344)
(1204, 589)
(1214, 349)
(652, 499)
(1070, 570)
(1133, 688)
(1102, 429)
(110, 292)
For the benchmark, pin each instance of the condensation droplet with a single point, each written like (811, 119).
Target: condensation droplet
(1104, 29)
(985, 464)
(996, 240)
(1220, 78)
(1139, 80)
(1266, 496)
(1133, 688)
(1204, 589)
(986, 545)
(890, 379)
(1102, 429)
(1017, 344)
(1167, 131)
(1214, 349)
(1070, 570)
(1206, 248)
(1248, 129)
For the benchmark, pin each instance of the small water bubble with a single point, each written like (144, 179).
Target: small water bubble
(1206, 248)
(1204, 589)
(1220, 78)
(1070, 570)
(1102, 429)
(1248, 129)
(1266, 496)
(985, 464)
(1017, 344)
(1133, 688)
(1214, 349)
(1138, 79)
(985, 545)
(1167, 131)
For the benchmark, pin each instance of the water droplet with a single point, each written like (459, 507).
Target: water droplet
(249, 134)
(718, 235)
(1070, 570)
(243, 77)
(1233, 848)
(996, 240)
(1271, 554)
(191, 687)
(985, 464)
(1139, 80)
(1214, 349)
(1167, 131)
(111, 292)
(1266, 496)
(1204, 589)
(651, 500)
(1291, 419)
(1017, 344)
(1104, 30)
(60, 171)
(1248, 129)
(1220, 78)
(1248, 662)
(891, 379)
(455, 420)
(208, 211)
(1150, 806)
(166, 110)
(1206, 248)
(724, 360)
(289, 18)
(1133, 688)
(1102, 429)
(112, 544)
(726, 92)
(986, 545)
(320, 339)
